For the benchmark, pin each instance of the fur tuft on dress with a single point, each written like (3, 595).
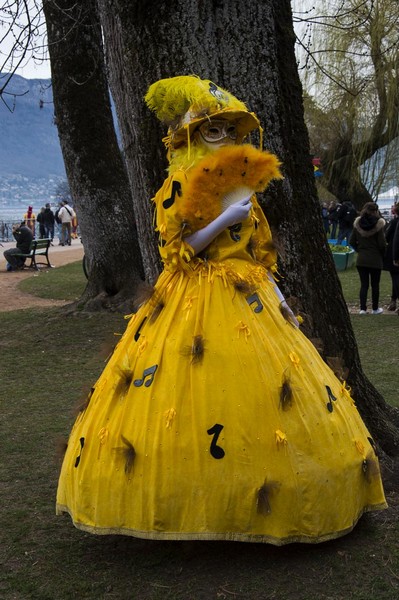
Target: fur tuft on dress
(226, 176)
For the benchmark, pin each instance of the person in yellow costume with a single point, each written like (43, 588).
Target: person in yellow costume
(216, 418)
(30, 219)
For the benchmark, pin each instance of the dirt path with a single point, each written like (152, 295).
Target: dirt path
(11, 298)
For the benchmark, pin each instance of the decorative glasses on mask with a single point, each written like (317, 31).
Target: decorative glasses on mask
(217, 130)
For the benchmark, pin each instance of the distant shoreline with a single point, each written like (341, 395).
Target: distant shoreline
(12, 213)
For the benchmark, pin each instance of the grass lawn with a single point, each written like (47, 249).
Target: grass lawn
(51, 283)
(376, 336)
(350, 286)
(380, 367)
(50, 360)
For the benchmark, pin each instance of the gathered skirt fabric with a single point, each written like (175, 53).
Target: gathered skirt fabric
(216, 418)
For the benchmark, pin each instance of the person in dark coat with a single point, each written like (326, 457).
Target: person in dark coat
(346, 217)
(333, 216)
(49, 220)
(390, 231)
(368, 239)
(325, 215)
(395, 249)
(24, 236)
(40, 220)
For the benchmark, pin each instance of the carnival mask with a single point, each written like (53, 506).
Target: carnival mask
(216, 131)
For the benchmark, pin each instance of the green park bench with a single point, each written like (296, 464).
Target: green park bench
(37, 248)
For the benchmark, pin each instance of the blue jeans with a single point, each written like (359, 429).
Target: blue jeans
(16, 262)
(49, 231)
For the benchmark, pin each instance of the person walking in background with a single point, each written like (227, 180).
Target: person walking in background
(49, 220)
(40, 220)
(333, 216)
(390, 231)
(30, 219)
(58, 222)
(325, 215)
(346, 217)
(65, 215)
(368, 239)
(74, 224)
(23, 236)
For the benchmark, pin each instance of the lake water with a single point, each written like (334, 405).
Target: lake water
(13, 213)
(16, 212)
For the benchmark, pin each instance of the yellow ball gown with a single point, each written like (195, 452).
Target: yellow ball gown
(216, 418)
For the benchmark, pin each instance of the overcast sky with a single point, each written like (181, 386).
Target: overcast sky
(9, 33)
(34, 71)
(30, 68)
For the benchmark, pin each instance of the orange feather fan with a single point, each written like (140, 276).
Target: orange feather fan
(224, 177)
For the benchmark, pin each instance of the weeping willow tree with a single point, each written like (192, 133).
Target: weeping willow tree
(349, 59)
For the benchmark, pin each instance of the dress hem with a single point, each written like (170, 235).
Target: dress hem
(223, 536)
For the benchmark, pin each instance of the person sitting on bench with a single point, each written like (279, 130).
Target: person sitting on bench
(23, 236)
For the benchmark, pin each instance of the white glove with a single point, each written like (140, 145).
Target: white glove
(235, 213)
(286, 310)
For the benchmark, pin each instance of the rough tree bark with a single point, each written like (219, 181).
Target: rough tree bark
(94, 165)
(308, 264)
(126, 62)
(249, 49)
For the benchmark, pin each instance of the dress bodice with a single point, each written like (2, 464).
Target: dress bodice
(242, 247)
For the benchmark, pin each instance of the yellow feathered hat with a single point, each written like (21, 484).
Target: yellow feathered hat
(184, 102)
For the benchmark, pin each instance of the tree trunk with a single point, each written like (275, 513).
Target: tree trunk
(342, 178)
(248, 49)
(94, 165)
(308, 266)
(126, 63)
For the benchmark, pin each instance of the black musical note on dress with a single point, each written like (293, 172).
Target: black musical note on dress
(330, 397)
(234, 229)
(176, 189)
(82, 443)
(150, 372)
(216, 451)
(137, 334)
(255, 298)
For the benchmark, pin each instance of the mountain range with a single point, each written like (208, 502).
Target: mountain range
(31, 162)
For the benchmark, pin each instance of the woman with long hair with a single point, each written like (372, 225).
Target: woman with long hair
(368, 239)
